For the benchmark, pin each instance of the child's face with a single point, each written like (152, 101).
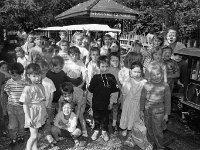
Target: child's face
(114, 61)
(47, 54)
(62, 36)
(56, 69)
(85, 42)
(67, 96)
(4, 68)
(171, 36)
(64, 46)
(156, 42)
(30, 38)
(114, 47)
(20, 54)
(38, 41)
(94, 56)
(157, 56)
(167, 54)
(103, 67)
(74, 57)
(136, 72)
(156, 76)
(44, 71)
(78, 40)
(107, 41)
(35, 78)
(67, 110)
(15, 77)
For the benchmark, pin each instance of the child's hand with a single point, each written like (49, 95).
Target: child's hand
(141, 115)
(165, 118)
(30, 122)
(110, 106)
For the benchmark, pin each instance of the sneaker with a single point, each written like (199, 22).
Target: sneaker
(124, 133)
(94, 135)
(105, 136)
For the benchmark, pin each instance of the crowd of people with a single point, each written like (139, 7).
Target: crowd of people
(51, 84)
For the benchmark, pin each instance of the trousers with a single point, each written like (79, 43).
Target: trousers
(101, 119)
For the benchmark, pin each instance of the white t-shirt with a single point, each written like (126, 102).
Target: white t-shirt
(49, 89)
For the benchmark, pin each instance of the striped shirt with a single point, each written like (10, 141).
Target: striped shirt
(14, 90)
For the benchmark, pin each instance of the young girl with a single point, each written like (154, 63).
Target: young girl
(157, 59)
(155, 106)
(21, 57)
(115, 47)
(132, 92)
(64, 45)
(33, 100)
(105, 48)
(114, 70)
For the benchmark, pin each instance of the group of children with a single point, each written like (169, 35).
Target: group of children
(50, 86)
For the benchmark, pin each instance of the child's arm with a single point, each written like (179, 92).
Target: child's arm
(142, 101)
(167, 100)
(72, 124)
(92, 84)
(60, 101)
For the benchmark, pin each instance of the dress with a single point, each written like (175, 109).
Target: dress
(33, 96)
(130, 111)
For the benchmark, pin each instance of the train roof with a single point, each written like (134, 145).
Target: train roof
(192, 52)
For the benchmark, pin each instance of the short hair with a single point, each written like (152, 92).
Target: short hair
(106, 36)
(74, 50)
(2, 62)
(33, 68)
(36, 36)
(94, 49)
(42, 63)
(137, 64)
(17, 68)
(115, 54)
(70, 104)
(48, 48)
(63, 32)
(19, 49)
(155, 50)
(57, 61)
(67, 87)
(64, 41)
(132, 57)
(103, 59)
(167, 47)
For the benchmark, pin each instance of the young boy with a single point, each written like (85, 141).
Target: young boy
(155, 106)
(37, 50)
(171, 66)
(64, 45)
(105, 92)
(105, 48)
(47, 52)
(58, 76)
(14, 88)
(74, 96)
(65, 124)
(21, 57)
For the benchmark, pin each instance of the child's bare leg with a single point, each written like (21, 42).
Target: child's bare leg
(35, 145)
(32, 139)
(82, 120)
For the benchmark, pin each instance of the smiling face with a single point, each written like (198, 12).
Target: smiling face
(103, 67)
(114, 61)
(167, 53)
(156, 75)
(171, 36)
(94, 56)
(67, 109)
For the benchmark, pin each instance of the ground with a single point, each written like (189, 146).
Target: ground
(177, 137)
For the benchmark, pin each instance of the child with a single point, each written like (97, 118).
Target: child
(114, 70)
(14, 88)
(56, 49)
(132, 92)
(74, 96)
(64, 45)
(47, 53)
(115, 47)
(172, 67)
(75, 68)
(33, 99)
(155, 106)
(63, 36)
(37, 50)
(105, 92)
(49, 90)
(105, 48)
(92, 67)
(84, 53)
(21, 57)
(58, 76)
(28, 44)
(156, 58)
(65, 124)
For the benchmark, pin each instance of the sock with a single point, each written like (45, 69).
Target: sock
(114, 123)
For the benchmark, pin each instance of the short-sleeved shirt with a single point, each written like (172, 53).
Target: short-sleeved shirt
(33, 94)
(49, 89)
(14, 90)
(102, 86)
